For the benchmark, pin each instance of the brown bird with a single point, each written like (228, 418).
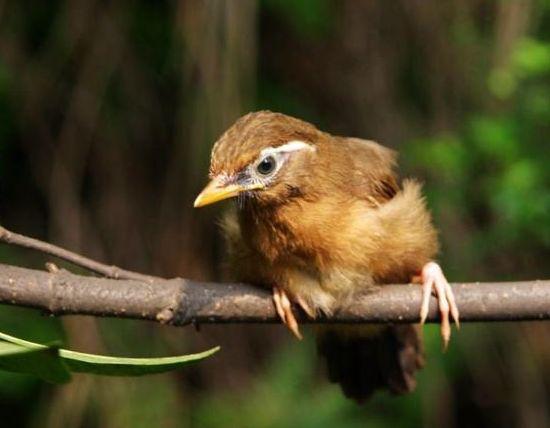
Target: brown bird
(319, 218)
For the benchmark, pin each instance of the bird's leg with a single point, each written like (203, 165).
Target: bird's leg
(284, 310)
(433, 280)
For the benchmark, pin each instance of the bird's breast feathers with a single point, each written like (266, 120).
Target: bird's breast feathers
(327, 249)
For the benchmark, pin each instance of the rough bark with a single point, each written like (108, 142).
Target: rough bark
(181, 301)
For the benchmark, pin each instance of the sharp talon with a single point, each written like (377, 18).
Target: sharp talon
(445, 329)
(307, 309)
(445, 343)
(452, 304)
(284, 310)
(433, 280)
(278, 304)
(426, 294)
(293, 327)
(291, 322)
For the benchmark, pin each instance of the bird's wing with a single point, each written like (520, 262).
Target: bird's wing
(372, 173)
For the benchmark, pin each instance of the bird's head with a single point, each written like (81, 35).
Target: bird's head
(264, 157)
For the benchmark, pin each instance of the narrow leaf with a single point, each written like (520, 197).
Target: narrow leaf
(115, 366)
(7, 348)
(53, 364)
(40, 361)
(21, 342)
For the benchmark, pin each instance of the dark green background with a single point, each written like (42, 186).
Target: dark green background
(108, 111)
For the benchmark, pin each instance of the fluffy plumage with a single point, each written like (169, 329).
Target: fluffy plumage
(331, 221)
(336, 223)
(324, 250)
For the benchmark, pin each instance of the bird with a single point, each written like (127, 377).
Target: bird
(319, 219)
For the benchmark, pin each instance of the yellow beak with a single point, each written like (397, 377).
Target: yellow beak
(216, 191)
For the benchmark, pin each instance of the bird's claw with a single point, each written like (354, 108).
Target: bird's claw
(433, 280)
(305, 306)
(284, 310)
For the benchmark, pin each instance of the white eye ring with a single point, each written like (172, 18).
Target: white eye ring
(278, 155)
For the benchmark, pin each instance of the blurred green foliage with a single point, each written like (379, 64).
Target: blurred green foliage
(308, 18)
(494, 170)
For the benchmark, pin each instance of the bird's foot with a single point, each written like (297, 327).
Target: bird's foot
(433, 280)
(284, 310)
(305, 306)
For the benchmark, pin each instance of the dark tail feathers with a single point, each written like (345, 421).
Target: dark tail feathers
(384, 358)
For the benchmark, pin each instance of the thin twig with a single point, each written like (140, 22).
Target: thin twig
(35, 244)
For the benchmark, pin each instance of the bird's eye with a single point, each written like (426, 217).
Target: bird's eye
(266, 165)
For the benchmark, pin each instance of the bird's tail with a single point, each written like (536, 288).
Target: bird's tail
(364, 359)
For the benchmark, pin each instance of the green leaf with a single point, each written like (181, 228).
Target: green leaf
(52, 364)
(118, 366)
(42, 362)
(26, 343)
(7, 349)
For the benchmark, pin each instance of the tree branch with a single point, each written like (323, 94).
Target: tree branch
(34, 244)
(180, 301)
